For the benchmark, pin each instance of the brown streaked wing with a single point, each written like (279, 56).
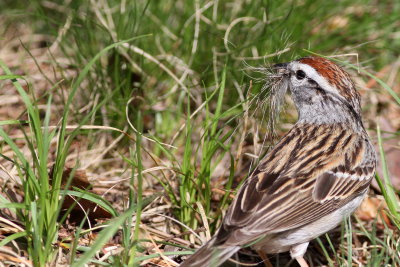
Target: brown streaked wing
(282, 202)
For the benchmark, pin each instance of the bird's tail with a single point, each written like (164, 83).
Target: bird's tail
(210, 255)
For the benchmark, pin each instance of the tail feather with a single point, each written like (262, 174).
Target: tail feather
(209, 255)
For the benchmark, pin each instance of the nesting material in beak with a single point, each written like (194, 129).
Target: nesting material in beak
(281, 68)
(276, 84)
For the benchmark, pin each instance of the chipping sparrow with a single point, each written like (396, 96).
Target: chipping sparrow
(316, 175)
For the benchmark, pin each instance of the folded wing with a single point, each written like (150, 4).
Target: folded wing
(304, 178)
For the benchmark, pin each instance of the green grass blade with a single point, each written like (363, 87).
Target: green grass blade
(387, 187)
(12, 237)
(102, 238)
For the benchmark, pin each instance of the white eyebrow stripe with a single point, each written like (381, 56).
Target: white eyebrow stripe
(314, 75)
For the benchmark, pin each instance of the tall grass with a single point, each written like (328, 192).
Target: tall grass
(44, 195)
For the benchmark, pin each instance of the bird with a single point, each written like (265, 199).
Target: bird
(316, 175)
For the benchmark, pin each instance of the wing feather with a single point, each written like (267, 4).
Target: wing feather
(283, 195)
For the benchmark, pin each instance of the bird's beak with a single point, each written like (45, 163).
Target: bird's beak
(281, 68)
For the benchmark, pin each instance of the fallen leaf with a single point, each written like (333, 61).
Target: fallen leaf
(373, 208)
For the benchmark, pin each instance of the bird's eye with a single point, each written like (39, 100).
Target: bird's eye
(300, 75)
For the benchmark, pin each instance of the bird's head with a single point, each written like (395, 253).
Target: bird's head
(322, 91)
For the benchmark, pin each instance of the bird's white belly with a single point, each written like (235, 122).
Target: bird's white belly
(283, 241)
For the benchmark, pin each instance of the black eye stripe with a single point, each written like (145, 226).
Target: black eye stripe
(311, 81)
(316, 86)
(300, 75)
(320, 90)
